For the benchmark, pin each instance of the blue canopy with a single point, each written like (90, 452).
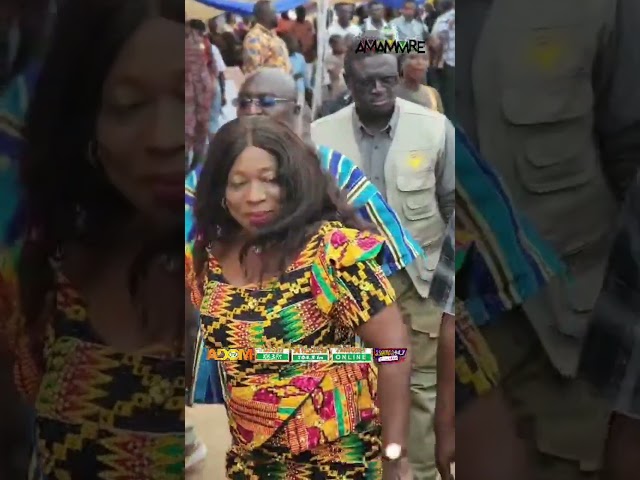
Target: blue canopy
(245, 7)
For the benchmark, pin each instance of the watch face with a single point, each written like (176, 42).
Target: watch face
(393, 451)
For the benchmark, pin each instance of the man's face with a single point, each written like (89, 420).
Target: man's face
(373, 82)
(376, 12)
(260, 97)
(343, 12)
(409, 11)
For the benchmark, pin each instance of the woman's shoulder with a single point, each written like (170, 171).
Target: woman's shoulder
(342, 246)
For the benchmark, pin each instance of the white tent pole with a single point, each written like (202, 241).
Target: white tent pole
(321, 48)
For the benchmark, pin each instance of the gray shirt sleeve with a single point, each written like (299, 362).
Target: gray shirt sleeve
(618, 97)
(446, 173)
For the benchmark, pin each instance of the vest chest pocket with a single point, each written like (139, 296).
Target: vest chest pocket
(417, 195)
(556, 151)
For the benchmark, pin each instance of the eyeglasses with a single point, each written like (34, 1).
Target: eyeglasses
(262, 101)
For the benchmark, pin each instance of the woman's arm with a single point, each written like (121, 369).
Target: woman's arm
(387, 330)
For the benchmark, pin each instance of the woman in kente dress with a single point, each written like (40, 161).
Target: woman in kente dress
(280, 261)
(97, 310)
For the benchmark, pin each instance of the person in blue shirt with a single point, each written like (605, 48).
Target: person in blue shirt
(298, 63)
(272, 92)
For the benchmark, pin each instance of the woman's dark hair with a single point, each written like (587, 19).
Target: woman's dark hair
(66, 198)
(310, 196)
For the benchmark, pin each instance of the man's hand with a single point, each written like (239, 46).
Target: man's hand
(445, 415)
(398, 470)
(445, 448)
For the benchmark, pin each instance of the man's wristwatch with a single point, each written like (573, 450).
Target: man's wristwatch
(393, 452)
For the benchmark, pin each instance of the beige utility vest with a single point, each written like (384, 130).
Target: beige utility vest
(418, 142)
(534, 99)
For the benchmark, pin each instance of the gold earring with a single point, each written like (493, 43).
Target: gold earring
(224, 203)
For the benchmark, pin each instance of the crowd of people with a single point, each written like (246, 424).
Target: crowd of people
(269, 40)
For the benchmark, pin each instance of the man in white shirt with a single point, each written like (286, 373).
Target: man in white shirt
(343, 25)
(408, 26)
(445, 30)
(376, 21)
(219, 98)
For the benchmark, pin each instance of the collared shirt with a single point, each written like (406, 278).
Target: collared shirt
(399, 250)
(412, 30)
(445, 30)
(388, 30)
(374, 148)
(263, 48)
(505, 261)
(443, 284)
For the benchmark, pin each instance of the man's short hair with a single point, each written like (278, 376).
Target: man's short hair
(352, 56)
(198, 25)
(260, 7)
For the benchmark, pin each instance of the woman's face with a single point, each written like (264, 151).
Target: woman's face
(253, 194)
(416, 65)
(139, 136)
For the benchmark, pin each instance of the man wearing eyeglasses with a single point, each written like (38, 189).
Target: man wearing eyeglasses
(408, 153)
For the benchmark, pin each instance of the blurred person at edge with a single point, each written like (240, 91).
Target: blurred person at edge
(611, 358)
(294, 228)
(24, 29)
(99, 268)
(443, 44)
(408, 152)
(559, 120)
(217, 67)
(200, 85)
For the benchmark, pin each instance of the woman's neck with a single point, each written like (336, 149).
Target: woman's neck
(411, 84)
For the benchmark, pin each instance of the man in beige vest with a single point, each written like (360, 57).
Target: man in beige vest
(407, 151)
(541, 97)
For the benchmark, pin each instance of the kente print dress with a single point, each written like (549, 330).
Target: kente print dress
(301, 421)
(101, 414)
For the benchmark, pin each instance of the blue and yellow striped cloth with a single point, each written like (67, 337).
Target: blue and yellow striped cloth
(505, 260)
(400, 248)
(14, 103)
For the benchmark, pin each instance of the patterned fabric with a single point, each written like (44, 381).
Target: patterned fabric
(98, 410)
(199, 90)
(507, 260)
(445, 30)
(499, 261)
(443, 284)
(282, 414)
(263, 48)
(611, 355)
(14, 101)
(399, 250)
